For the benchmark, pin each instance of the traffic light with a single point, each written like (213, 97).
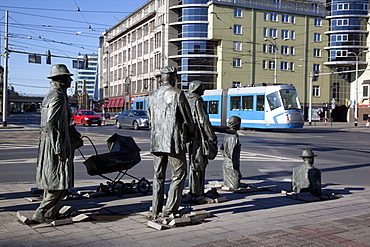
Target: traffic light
(86, 61)
(48, 57)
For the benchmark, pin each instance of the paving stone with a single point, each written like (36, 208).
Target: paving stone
(157, 226)
(180, 221)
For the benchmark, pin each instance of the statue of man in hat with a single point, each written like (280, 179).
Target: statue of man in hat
(231, 151)
(306, 177)
(171, 127)
(203, 137)
(54, 172)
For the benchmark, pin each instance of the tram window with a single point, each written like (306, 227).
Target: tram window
(247, 103)
(213, 107)
(290, 99)
(234, 103)
(260, 103)
(274, 100)
(140, 105)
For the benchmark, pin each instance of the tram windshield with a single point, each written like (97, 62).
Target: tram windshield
(287, 98)
(290, 99)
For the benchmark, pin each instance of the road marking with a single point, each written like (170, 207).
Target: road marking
(16, 146)
(244, 156)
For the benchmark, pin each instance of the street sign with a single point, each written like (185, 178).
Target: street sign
(106, 101)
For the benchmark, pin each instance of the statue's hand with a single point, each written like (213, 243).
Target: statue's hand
(62, 157)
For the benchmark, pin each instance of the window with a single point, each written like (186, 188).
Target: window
(316, 52)
(317, 37)
(285, 18)
(284, 34)
(265, 32)
(341, 37)
(274, 100)
(341, 53)
(292, 50)
(264, 48)
(260, 103)
(365, 91)
(237, 12)
(234, 103)
(284, 50)
(342, 22)
(316, 68)
(283, 65)
(212, 107)
(292, 34)
(264, 64)
(237, 62)
(273, 33)
(272, 49)
(316, 91)
(293, 19)
(271, 65)
(317, 22)
(237, 29)
(274, 17)
(247, 103)
(343, 6)
(265, 16)
(236, 84)
(291, 67)
(237, 46)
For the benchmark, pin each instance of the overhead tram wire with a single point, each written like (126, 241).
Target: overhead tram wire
(68, 10)
(57, 18)
(38, 35)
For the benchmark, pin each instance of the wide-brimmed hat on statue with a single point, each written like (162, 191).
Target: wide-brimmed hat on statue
(59, 69)
(307, 153)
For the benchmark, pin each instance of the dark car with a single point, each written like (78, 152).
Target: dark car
(132, 118)
(86, 117)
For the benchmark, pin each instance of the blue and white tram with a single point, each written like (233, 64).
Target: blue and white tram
(140, 103)
(259, 107)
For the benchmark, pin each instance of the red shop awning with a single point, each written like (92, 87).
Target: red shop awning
(121, 102)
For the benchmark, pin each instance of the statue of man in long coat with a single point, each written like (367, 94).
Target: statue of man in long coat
(55, 171)
(171, 127)
(203, 137)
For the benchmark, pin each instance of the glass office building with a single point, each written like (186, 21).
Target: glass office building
(195, 56)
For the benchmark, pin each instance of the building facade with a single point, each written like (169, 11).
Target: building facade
(235, 43)
(88, 74)
(271, 42)
(348, 57)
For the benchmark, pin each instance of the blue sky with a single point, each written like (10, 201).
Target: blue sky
(39, 25)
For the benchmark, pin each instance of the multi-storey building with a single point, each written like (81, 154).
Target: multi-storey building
(347, 48)
(88, 74)
(225, 43)
(271, 42)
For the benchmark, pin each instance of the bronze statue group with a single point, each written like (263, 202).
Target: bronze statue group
(178, 125)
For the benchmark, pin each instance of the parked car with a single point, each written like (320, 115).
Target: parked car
(132, 118)
(86, 117)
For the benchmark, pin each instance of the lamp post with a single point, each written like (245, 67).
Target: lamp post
(356, 91)
(275, 51)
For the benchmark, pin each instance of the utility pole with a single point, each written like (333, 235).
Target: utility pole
(5, 84)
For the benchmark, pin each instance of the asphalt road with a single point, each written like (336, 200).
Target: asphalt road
(343, 155)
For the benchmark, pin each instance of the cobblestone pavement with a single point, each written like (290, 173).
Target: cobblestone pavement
(262, 218)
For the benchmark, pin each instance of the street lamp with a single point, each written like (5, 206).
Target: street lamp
(356, 91)
(275, 51)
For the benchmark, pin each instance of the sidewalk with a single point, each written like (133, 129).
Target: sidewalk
(261, 218)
